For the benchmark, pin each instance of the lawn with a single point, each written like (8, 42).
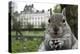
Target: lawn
(25, 46)
(29, 45)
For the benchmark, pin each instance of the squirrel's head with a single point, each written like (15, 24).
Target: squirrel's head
(57, 23)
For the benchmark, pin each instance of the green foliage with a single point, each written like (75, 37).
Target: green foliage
(16, 24)
(71, 16)
(43, 25)
(29, 26)
(57, 9)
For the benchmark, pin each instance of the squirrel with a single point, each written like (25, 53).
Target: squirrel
(58, 34)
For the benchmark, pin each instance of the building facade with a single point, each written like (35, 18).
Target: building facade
(32, 16)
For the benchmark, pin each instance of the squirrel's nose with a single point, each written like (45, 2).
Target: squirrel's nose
(55, 29)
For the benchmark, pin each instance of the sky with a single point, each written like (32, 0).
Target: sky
(38, 4)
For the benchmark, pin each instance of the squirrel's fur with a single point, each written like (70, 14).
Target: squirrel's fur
(59, 28)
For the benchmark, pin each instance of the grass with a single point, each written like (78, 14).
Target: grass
(29, 33)
(25, 46)
(29, 45)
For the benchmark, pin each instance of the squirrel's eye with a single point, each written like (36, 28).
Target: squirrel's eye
(49, 20)
(63, 21)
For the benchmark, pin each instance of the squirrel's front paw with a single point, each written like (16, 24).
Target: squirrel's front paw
(55, 44)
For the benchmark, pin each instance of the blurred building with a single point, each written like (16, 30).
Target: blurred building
(33, 16)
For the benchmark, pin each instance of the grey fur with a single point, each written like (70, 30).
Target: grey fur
(64, 31)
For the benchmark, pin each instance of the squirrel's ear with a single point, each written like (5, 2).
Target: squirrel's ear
(64, 12)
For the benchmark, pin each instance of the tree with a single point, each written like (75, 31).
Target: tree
(43, 25)
(43, 11)
(37, 11)
(16, 13)
(72, 17)
(57, 9)
(29, 26)
(16, 25)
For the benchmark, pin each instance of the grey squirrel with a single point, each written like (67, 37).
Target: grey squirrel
(58, 29)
